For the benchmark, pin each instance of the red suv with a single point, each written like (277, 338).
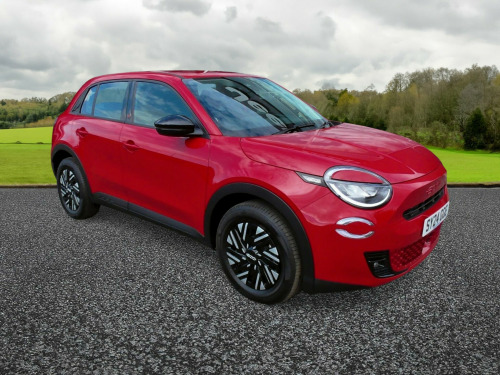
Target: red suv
(290, 200)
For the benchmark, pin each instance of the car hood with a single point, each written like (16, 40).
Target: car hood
(393, 157)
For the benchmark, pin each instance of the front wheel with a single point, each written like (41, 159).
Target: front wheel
(258, 252)
(73, 190)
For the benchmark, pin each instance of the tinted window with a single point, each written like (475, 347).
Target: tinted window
(88, 102)
(110, 100)
(153, 101)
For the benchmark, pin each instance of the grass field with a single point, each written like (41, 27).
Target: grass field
(23, 160)
(469, 166)
(25, 164)
(25, 156)
(28, 135)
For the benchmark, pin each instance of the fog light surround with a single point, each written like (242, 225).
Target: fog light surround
(353, 220)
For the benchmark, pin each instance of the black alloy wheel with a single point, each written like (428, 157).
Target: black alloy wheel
(69, 190)
(253, 255)
(258, 252)
(73, 190)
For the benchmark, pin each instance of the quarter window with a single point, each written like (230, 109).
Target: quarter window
(110, 100)
(153, 101)
(88, 102)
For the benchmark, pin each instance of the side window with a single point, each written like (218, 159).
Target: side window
(88, 102)
(153, 101)
(110, 100)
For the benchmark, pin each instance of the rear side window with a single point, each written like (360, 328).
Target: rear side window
(88, 102)
(110, 100)
(153, 101)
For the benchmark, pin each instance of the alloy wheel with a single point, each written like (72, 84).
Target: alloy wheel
(69, 190)
(253, 255)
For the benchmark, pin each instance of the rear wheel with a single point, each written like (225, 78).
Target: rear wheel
(73, 191)
(258, 252)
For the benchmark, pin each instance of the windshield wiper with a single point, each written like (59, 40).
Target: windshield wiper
(295, 128)
(298, 128)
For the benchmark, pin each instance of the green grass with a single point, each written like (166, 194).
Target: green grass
(22, 159)
(28, 135)
(29, 162)
(25, 164)
(469, 166)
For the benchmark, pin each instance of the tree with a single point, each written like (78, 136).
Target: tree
(469, 99)
(346, 104)
(62, 108)
(432, 106)
(475, 131)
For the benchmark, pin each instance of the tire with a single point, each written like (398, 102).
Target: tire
(74, 192)
(258, 252)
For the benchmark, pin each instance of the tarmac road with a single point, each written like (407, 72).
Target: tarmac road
(115, 294)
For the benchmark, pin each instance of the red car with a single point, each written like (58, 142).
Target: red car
(290, 200)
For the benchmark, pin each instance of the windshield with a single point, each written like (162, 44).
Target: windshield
(249, 107)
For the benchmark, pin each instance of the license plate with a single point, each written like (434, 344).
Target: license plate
(435, 219)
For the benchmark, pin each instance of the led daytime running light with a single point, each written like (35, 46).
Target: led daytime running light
(359, 194)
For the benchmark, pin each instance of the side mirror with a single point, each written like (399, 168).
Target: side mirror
(176, 126)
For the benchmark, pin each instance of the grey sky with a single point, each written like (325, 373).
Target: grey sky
(51, 46)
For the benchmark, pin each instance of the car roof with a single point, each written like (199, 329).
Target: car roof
(195, 74)
(203, 73)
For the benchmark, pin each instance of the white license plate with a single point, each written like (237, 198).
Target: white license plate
(435, 219)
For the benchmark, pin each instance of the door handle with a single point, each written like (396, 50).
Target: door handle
(82, 132)
(130, 145)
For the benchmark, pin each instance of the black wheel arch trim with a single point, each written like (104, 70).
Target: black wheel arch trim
(69, 150)
(282, 207)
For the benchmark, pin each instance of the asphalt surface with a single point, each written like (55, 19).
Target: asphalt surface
(115, 294)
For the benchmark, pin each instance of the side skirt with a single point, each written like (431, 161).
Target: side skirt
(120, 204)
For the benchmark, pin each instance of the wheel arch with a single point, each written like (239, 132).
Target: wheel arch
(59, 153)
(232, 194)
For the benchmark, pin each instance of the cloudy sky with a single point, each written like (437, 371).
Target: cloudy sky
(52, 46)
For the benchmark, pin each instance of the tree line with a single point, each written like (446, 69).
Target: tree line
(438, 107)
(19, 113)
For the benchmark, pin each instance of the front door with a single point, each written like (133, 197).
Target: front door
(163, 174)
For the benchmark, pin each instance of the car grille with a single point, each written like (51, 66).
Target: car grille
(401, 258)
(391, 263)
(425, 205)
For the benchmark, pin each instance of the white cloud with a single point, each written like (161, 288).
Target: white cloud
(53, 46)
(231, 13)
(197, 7)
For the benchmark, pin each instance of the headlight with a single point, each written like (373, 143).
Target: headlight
(366, 190)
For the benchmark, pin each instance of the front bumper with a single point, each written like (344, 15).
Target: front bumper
(396, 242)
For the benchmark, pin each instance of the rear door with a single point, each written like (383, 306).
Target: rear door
(163, 174)
(97, 130)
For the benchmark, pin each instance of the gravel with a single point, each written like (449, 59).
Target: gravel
(116, 294)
